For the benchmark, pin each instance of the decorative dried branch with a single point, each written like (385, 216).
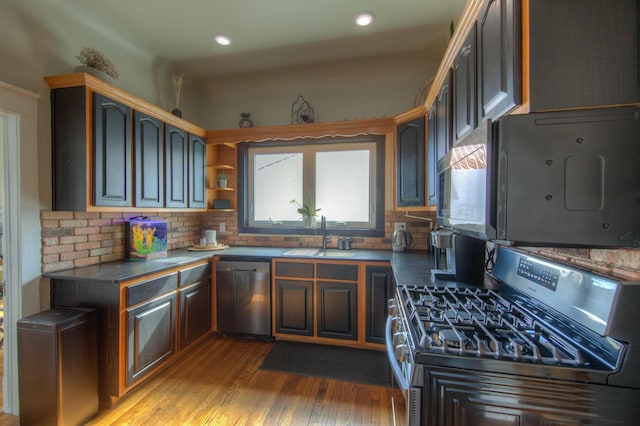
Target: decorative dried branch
(90, 57)
(177, 87)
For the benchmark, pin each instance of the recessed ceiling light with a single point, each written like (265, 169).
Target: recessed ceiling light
(222, 39)
(364, 18)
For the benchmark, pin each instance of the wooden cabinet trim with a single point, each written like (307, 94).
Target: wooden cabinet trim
(95, 84)
(379, 126)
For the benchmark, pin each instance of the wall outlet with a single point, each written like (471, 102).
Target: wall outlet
(400, 226)
(222, 227)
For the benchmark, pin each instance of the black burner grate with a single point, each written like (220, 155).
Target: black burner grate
(480, 322)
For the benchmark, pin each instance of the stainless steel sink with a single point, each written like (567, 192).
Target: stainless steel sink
(335, 253)
(301, 252)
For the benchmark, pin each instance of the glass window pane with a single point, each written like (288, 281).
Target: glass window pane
(277, 179)
(342, 185)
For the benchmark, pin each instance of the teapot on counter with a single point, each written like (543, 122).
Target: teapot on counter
(401, 240)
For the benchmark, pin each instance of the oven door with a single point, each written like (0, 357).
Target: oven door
(399, 355)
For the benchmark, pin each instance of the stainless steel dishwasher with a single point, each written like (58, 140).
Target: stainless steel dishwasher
(244, 295)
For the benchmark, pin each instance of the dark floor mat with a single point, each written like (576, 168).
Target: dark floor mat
(332, 362)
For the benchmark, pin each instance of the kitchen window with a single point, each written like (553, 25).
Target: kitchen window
(342, 179)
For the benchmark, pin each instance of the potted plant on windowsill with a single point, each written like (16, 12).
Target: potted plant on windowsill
(222, 180)
(307, 213)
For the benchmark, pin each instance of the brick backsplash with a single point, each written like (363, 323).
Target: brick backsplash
(74, 239)
(418, 228)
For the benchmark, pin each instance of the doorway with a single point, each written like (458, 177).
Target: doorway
(21, 231)
(2, 249)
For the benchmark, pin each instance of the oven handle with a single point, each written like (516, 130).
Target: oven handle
(397, 372)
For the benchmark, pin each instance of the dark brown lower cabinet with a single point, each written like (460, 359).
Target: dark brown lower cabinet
(142, 322)
(464, 397)
(195, 312)
(294, 307)
(379, 283)
(150, 335)
(332, 302)
(337, 310)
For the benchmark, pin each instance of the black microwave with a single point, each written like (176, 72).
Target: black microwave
(564, 178)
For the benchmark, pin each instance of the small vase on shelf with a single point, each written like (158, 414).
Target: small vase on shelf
(176, 112)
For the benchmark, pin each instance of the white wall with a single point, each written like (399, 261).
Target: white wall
(359, 88)
(46, 42)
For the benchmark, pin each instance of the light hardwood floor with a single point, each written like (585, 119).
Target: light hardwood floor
(219, 383)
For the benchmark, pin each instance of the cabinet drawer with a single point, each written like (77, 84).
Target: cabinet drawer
(194, 274)
(335, 271)
(297, 270)
(149, 289)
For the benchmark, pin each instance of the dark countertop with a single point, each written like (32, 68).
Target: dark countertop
(409, 268)
(124, 270)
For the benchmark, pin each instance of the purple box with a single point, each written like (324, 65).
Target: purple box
(145, 239)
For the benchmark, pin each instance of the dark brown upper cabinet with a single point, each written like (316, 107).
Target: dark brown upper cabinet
(444, 118)
(109, 148)
(175, 157)
(432, 160)
(583, 53)
(499, 58)
(149, 170)
(410, 172)
(112, 152)
(464, 88)
(197, 172)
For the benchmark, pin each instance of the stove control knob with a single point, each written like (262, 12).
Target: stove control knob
(399, 338)
(401, 352)
(391, 303)
(393, 309)
(395, 323)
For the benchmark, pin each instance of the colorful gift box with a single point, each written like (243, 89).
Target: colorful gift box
(145, 238)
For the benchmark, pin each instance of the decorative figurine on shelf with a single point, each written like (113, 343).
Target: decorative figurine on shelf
(177, 88)
(245, 120)
(301, 111)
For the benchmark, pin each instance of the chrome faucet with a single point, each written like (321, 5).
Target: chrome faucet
(323, 229)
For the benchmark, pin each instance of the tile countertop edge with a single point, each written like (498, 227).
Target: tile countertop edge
(124, 270)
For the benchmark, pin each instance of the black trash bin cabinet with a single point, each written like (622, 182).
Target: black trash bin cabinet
(58, 367)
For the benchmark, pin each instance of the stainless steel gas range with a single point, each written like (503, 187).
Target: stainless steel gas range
(539, 343)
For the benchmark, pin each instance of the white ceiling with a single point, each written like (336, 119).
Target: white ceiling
(265, 33)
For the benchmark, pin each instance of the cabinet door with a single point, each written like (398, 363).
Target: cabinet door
(175, 158)
(195, 312)
(151, 330)
(410, 163)
(197, 172)
(379, 290)
(337, 310)
(593, 61)
(444, 118)
(499, 81)
(111, 152)
(149, 171)
(432, 160)
(463, 397)
(294, 307)
(464, 88)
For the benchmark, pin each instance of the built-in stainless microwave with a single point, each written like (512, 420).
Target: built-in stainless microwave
(564, 178)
